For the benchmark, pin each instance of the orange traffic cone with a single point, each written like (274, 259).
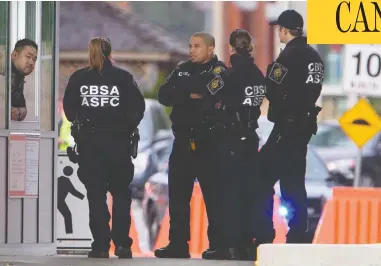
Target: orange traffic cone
(163, 236)
(280, 225)
(198, 224)
(133, 234)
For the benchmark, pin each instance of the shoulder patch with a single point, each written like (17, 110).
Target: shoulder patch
(217, 70)
(215, 85)
(277, 73)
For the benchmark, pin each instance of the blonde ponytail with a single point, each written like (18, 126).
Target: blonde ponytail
(96, 56)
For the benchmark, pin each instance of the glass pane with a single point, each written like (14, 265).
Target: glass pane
(333, 106)
(47, 65)
(4, 11)
(315, 168)
(29, 86)
(332, 56)
(376, 103)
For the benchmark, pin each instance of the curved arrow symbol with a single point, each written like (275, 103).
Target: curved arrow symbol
(360, 122)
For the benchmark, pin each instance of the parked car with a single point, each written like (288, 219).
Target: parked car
(319, 182)
(154, 130)
(339, 153)
(155, 199)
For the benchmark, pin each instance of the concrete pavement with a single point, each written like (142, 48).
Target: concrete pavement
(63, 260)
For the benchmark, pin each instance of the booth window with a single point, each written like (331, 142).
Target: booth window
(48, 30)
(30, 88)
(4, 59)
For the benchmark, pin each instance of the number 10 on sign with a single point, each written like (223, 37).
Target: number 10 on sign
(362, 69)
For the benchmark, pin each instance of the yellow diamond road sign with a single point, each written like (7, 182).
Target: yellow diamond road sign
(361, 122)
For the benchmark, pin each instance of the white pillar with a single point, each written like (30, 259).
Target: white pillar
(218, 28)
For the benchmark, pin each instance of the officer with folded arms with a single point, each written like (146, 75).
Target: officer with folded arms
(294, 83)
(184, 90)
(106, 106)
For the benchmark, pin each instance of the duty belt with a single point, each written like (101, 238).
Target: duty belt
(94, 129)
(225, 128)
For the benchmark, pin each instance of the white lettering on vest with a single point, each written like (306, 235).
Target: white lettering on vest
(254, 95)
(100, 96)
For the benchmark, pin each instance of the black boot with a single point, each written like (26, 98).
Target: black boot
(123, 253)
(98, 254)
(212, 254)
(232, 254)
(176, 251)
(295, 237)
(251, 253)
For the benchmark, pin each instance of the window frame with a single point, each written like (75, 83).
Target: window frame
(17, 32)
(7, 70)
(54, 56)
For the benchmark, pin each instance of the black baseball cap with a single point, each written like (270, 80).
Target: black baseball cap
(290, 19)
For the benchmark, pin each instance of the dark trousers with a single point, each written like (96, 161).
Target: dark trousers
(237, 173)
(184, 167)
(283, 158)
(105, 165)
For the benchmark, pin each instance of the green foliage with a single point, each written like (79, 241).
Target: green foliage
(181, 18)
(376, 104)
(4, 8)
(153, 94)
(160, 80)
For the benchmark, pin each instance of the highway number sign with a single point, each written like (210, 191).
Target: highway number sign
(362, 69)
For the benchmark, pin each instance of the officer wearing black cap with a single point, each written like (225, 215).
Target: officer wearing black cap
(294, 83)
(106, 106)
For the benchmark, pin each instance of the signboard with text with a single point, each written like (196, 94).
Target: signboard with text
(24, 153)
(362, 69)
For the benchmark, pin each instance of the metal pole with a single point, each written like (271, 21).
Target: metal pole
(356, 182)
(218, 28)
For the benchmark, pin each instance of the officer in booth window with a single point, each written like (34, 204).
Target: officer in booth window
(232, 109)
(184, 90)
(106, 106)
(294, 83)
(24, 57)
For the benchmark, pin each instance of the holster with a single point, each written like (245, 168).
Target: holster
(134, 143)
(76, 134)
(306, 124)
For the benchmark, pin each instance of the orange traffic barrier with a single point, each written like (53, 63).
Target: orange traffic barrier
(163, 236)
(133, 234)
(199, 225)
(351, 216)
(280, 224)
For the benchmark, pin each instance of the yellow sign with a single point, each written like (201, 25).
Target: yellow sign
(343, 22)
(361, 122)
